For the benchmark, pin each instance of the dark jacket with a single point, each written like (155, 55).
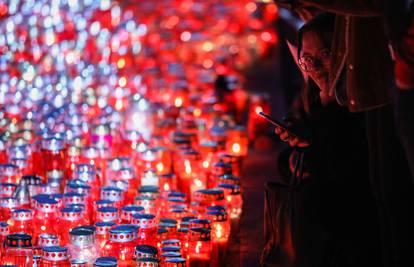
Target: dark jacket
(359, 47)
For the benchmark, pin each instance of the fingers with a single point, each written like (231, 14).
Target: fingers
(278, 130)
(293, 141)
(284, 136)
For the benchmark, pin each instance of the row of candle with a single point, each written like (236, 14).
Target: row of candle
(115, 147)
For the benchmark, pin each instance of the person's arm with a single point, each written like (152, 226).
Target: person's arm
(360, 8)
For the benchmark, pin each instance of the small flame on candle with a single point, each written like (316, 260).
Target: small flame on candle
(178, 102)
(187, 167)
(160, 167)
(198, 183)
(206, 164)
(236, 148)
(197, 247)
(166, 187)
(197, 112)
(219, 231)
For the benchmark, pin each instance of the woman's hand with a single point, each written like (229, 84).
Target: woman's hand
(293, 140)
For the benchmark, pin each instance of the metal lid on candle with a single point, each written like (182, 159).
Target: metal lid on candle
(4, 229)
(168, 221)
(7, 189)
(78, 263)
(81, 236)
(231, 189)
(19, 240)
(71, 213)
(145, 251)
(46, 204)
(47, 240)
(170, 242)
(107, 214)
(170, 248)
(106, 262)
(55, 253)
(74, 187)
(111, 193)
(129, 210)
(9, 202)
(203, 223)
(167, 176)
(175, 262)
(103, 203)
(229, 178)
(149, 189)
(176, 194)
(89, 168)
(216, 208)
(144, 220)
(208, 195)
(103, 228)
(73, 198)
(124, 234)
(199, 234)
(171, 254)
(8, 169)
(148, 262)
(22, 214)
(217, 216)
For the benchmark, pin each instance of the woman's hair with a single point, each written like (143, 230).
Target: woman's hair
(323, 25)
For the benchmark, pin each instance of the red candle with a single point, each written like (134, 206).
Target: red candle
(55, 257)
(18, 250)
(22, 221)
(199, 247)
(45, 217)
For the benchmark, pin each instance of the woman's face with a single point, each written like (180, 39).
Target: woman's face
(315, 58)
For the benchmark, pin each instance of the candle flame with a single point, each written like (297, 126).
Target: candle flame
(206, 164)
(178, 102)
(166, 187)
(197, 112)
(236, 148)
(160, 167)
(187, 166)
(198, 183)
(197, 247)
(219, 231)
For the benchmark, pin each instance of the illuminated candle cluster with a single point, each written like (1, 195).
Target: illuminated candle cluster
(115, 147)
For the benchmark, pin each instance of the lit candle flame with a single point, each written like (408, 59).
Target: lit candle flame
(236, 148)
(197, 247)
(219, 231)
(160, 167)
(178, 102)
(206, 164)
(187, 166)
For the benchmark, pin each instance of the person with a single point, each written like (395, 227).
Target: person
(399, 25)
(360, 53)
(337, 196)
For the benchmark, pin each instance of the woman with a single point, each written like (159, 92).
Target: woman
(337, 200)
